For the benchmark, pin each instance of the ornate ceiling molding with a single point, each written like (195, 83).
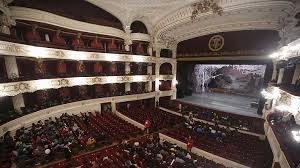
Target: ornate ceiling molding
(238, 15)
(23, 13)
(149, 12)
(15, 49)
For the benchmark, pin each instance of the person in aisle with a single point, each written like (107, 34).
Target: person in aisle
(189, 144)
(147, 125)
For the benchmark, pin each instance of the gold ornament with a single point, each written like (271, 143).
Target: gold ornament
(216, 43)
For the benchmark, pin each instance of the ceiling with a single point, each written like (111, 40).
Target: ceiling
(148, 11)
(168, 21)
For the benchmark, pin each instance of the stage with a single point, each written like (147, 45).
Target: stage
(224, 102)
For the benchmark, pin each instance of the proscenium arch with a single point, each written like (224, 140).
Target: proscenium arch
(174, 24)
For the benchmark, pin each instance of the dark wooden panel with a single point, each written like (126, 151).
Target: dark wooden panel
(236, 43)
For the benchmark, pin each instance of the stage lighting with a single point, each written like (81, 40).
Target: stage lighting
(275, 94)
(274, 55)
(296, 135)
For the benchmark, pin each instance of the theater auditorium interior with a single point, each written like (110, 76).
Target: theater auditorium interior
(150, 84)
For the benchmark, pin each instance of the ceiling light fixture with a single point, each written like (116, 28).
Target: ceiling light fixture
(205, 6)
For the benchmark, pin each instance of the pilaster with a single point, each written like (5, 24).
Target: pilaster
(11, 67)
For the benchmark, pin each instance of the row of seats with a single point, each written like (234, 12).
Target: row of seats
(232, 145)
(144, 152)
(29, 146)
(228, 119)
(158, 119)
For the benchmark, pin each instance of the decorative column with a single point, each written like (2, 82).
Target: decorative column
(149, 72)
(100, 108)
(11, 67)
(6, 20)
(274, 74)
(13, 73)
(127, 40)
(174, 72)
(150, 49)
(174, 51)
(174, 81)
(158, 49)
(157, 66)
(127, 72)
(296, 74)
(280, 76)
(113, 106)
(18, 102)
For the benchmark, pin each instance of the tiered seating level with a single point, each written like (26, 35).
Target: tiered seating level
(241, 148)
(66, 66)
(282, 131)
(103, 127)
(110, 125)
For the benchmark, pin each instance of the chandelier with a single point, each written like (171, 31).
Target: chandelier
(206, 6)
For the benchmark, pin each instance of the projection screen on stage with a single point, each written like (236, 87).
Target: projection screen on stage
(230, 79)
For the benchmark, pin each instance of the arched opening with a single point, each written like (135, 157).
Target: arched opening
(165, 69)
(138, 27)
(166, 53)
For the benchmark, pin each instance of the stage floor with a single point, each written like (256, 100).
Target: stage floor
(224, 102)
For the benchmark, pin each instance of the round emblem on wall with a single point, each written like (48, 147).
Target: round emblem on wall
(216, 43)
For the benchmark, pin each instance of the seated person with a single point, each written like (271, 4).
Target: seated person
(90, 143)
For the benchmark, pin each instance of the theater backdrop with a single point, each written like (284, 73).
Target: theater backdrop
(225, 78)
